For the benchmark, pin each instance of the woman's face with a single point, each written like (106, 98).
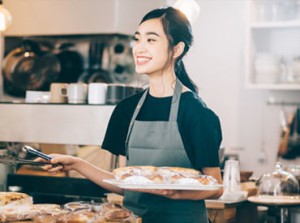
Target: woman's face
(150, 49)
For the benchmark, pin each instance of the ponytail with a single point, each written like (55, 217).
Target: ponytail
(182, 75)
(178, 29)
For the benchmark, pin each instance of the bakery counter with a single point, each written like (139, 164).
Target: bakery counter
(221, 211)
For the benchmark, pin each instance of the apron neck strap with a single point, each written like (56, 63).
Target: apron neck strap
(173, 111)
(175, 101)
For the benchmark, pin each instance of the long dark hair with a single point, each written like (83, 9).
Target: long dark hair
(178, 29)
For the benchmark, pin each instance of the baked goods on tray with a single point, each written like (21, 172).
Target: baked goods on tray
(14, 198)
(162, 175)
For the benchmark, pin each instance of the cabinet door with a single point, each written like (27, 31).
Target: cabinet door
(277, 39)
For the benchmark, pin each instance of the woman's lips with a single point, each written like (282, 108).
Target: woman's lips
(141, 60)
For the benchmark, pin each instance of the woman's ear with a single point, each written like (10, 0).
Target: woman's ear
(178, 49)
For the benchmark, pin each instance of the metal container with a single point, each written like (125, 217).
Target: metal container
(4, 171)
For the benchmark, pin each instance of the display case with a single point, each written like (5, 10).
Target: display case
(272, 54)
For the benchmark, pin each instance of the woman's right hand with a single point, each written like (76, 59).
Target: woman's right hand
(60, 163)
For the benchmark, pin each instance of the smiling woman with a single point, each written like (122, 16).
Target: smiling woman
(166, 125)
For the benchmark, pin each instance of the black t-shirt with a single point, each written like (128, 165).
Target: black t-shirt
(199, 126)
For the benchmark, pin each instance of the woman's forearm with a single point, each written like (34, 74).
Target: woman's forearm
(96, 175)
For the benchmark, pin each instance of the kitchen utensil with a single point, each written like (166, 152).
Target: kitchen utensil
(231, 177)
(29, 68)
(232, 182)
(71, 63)
(115, 93)
(121, 64)
(58, 93)
(77, 93)
(29, 149)
(97, 93)
(37, 96)
(10, 160)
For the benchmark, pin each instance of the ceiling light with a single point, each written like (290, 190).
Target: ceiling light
(5, 17)
(190, 8)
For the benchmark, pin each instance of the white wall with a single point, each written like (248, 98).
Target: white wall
(216, 63)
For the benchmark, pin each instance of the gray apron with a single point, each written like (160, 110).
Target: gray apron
(159, 143)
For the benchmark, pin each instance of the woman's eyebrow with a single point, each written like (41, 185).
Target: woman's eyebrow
(147, 33)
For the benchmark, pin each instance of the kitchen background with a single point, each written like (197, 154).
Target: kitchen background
(218, 62)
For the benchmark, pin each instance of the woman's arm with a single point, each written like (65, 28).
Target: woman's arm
(193, 194)
(85, 168)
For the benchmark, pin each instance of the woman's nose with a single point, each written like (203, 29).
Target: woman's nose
(139, 48)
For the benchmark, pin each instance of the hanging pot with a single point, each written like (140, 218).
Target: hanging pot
(71, 63)
(28, 68)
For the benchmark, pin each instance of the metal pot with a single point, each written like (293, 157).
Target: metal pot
(71, 63)
(29, 68)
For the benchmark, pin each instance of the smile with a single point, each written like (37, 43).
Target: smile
(140, 60)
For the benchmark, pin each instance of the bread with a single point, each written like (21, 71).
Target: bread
(124, 172)
(161, 175)
(14, 198)
(117, 214)
(80, 216)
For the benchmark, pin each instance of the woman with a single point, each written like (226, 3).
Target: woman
(166, 125)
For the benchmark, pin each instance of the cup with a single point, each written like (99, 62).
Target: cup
(58, 93)
(97, 93)
(231, 178)
(77, 93)
(37, 96)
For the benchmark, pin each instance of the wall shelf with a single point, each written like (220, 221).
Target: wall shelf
(274, 86)
(57, 124)
(278, 40)
(272, 25)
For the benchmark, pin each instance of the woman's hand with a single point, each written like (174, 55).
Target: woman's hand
(60, 163)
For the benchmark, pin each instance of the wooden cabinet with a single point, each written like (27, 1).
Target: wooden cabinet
(220, 211)
(274, 38)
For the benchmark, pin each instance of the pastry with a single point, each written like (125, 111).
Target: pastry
(14, 198)
(124, 172)
(162, 175)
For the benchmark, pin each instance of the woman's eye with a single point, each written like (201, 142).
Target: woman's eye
(151, 40)
(135, 39)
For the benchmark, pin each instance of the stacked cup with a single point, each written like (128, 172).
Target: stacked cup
(58, 93)
(97, 93)
(232, 182)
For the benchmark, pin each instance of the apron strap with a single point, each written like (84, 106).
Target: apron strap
(173, 112)
(175, 101)
(135, 114)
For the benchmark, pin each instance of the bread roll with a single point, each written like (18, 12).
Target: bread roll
(124, 172)
(14, 198)
(162, 175)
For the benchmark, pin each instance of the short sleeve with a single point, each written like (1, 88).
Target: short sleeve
(202, 136)
(116, 132)
(117, 128)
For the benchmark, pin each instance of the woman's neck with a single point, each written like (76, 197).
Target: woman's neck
(162, 85)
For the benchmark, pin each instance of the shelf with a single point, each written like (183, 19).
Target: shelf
(273, 86)
(274, 38)
(272, 25)
(58, 124)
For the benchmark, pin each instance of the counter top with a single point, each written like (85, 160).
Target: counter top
(221, 204)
